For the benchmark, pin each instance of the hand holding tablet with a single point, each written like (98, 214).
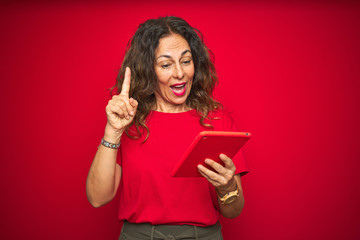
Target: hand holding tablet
(209, 144)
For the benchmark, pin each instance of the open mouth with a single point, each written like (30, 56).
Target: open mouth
(178, 89)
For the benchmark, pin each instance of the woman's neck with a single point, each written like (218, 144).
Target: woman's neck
(170, 108)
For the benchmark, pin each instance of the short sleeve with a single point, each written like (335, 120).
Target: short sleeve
(239, 160)
(240, 164)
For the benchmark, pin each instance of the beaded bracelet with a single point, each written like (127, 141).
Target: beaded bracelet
(110, 145)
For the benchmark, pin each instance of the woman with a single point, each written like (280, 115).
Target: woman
(165, 87)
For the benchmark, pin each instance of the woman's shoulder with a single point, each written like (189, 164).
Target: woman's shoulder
(222, 113)
(221, 119)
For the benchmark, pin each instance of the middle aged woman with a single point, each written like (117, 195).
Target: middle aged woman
(164, 100)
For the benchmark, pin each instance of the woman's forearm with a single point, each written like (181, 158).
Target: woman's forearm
(104, 175)
(232, 210)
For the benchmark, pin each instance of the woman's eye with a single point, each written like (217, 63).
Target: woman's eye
(165, 66)
(186, 62)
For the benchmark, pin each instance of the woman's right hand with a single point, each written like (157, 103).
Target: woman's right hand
(105, 173)
(121, 110)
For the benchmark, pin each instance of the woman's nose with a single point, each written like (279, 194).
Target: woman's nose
(178, 71)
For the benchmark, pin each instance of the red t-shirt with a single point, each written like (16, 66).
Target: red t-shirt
(148, 193)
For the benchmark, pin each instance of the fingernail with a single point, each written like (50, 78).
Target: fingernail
(207, 161)
(131, 113)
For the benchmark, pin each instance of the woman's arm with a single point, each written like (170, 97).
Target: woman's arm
(232, 210)
(224, 180)
(105, 174)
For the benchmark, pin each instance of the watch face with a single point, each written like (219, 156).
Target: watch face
(231, 199)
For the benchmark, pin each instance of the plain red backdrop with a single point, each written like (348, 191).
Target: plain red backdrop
(288, 71)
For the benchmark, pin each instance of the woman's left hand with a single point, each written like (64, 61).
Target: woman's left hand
(223, 179)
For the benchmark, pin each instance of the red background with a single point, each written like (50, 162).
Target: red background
(288, 71)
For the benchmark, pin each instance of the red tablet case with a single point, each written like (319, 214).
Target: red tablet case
(209, 144)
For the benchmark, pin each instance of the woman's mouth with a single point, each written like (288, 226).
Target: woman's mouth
(178, 89)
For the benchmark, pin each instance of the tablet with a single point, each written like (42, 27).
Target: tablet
(209, 144)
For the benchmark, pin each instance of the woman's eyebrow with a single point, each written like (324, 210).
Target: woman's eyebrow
(184, 52)
(168, 56)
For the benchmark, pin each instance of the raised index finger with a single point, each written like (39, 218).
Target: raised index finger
(126, 84)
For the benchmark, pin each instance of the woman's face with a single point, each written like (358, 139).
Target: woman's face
(174, 69)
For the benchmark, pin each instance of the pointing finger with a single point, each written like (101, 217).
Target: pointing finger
(126, 83)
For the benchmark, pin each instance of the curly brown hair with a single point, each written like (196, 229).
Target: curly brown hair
(140, 57)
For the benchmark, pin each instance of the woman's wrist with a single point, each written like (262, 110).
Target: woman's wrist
(224, 191)
(112, 135)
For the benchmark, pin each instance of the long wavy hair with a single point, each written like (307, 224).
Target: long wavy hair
(140, 57)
